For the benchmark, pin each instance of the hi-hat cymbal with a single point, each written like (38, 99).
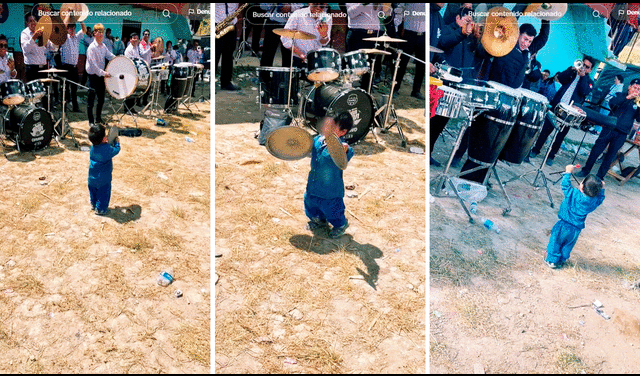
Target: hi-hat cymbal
(53, 70)
(385, 38)
(435, 50)
(373, 51)
(294, 34)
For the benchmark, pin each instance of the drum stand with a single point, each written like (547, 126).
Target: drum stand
(116, 112)
(65, 128)
(153, 105)
(244, 44)
(539, 171)
(186, 100)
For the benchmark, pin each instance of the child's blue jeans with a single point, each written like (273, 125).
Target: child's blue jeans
(331, 210)
(563, 237)
(100, 196)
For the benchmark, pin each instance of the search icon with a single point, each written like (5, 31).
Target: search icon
(166, 13)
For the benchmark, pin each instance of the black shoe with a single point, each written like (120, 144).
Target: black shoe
(456, 162)
(433, 162)
(230, 87)
(550, 162)
(100, 121)
(533, 154)
(418, 95)
(75, 109)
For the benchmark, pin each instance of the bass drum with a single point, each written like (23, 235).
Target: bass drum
(332, 100)
(31, 127)
(129, 77)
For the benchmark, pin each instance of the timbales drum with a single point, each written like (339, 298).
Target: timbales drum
(323, 65)
(182, 77)
(450, 104)
(13, 92)
(129, 77)
(480, 94)
(570, 116)
(31, 127)
(274, 83)
(36, 90)
(332, 100)
(528, 125)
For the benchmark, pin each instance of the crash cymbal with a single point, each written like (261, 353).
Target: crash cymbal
(373, 51)
(547, 11)
(336, 151)
(435, 50)
(46, 25)
(385, 39)
(70, 12)
(53, 70)
(294, 34)
(289, 143)
(48, 80)
(500, 33)
(59, 31)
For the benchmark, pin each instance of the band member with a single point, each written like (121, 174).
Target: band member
(414, 34)
(363, 23)
(118, 46)
(225, 45)
(625, 108)
(436, 24)
(134, 50)
(70, 51)
(146, 50)
(576, 85)
(97, 53)
(169, 59)
(309, 20)
(108, 40)
(278, 16)
(7, 64)
(35, 59)
(195, 56)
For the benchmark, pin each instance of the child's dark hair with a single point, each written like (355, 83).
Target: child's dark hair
(592, 185)
(344, 120)
(96, 134)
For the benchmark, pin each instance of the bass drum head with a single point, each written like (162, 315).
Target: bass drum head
(33, 127)
(128, 77)
(332, 100)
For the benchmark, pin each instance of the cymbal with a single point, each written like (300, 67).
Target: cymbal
(289, 143)
(336, 151)
(46, 25)
(294, 34)
(435, 50)
(159, 57)
(500, 32)
(59, 31)
(70, 12)
(53, 70)
(373, 51)
(46, 80)
(385, 38)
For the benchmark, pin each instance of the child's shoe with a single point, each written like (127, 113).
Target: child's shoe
(316, 223)
(102, 212)
(337, 232)
(551, 265)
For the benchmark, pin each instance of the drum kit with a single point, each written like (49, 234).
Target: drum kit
(506, 122)
(333, 76)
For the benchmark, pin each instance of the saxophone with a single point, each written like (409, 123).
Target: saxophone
(225, 25)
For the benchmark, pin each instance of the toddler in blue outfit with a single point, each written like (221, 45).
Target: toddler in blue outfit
(578, 202)
(101, 168)
(323, 200)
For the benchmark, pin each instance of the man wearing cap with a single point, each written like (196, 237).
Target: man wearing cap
(623, 107)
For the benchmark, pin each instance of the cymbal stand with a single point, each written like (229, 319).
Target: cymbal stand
(244, 44)
(389, 106)
(539, 171)
(65, 128)
(444, 177)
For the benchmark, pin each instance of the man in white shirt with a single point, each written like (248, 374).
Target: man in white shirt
(170, 57)
(413, 19)
(146, 49)
(108, 40)
(195, 55)
(35, 59)
(134, 50)
(97, 53)
(7, 64)
(225, 46)
(364, 23)
(308, 20)
(70, 51)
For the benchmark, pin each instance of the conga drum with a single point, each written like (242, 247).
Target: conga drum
(528, 125)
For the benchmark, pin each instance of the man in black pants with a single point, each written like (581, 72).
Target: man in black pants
(414, 34)
(364, 23)
(623, 107)
(576, 85)
(70, 51)
(97, 53)
(35, 59)
(225, 46)
(278, 18)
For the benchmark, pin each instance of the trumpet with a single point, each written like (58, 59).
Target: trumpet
(578, 64)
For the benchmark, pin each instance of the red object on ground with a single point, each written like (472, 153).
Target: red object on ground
(578, 165)
(434, 96)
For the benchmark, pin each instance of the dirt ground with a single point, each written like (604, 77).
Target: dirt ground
(78, 292)
(495, 306)
(289, 300)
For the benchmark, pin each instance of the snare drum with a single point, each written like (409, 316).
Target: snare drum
(129, 77)
(323, 65)
(450, 104)
(527, 127)
(35, 90)
(480, 94)
(355, 64)
(569, 115)
(12, 92)
(274, 83)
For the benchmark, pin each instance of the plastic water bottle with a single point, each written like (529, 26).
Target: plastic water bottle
(489, 224)
(473, 208)
(165, 278)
